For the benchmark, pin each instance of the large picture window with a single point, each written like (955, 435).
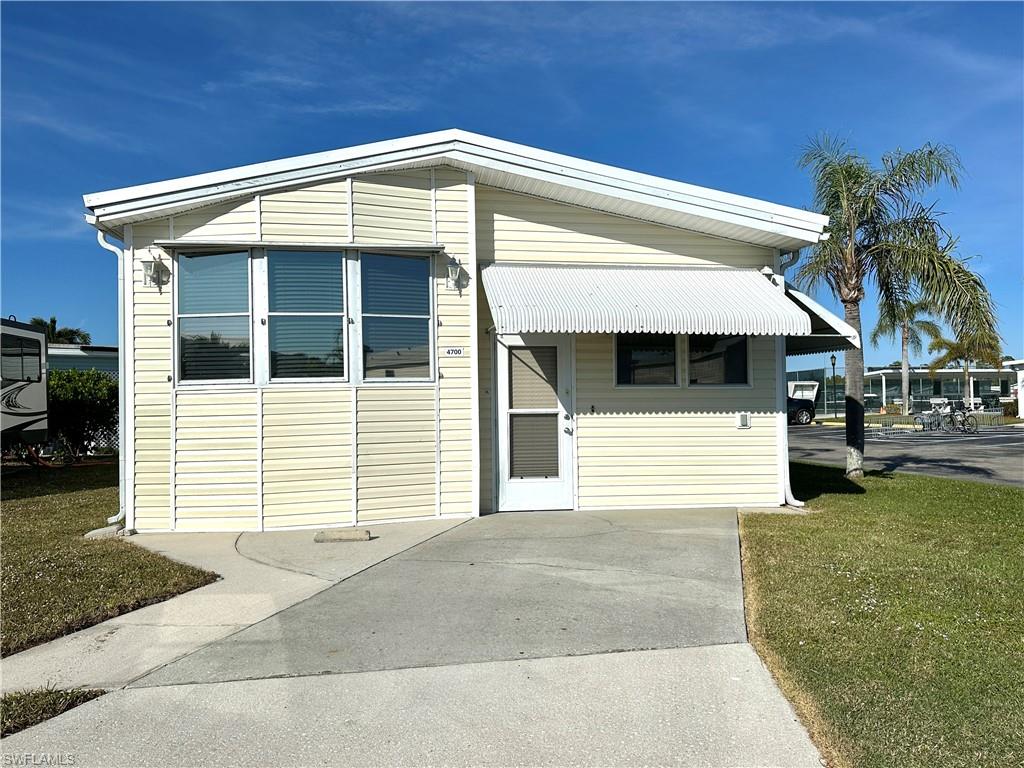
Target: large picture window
(213, 317)
(645, 359)
(396, 316)
(306, 293)
(717, 360)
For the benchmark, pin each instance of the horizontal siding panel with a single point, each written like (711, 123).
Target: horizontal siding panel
(216, 460)
(673, 446)
(307, 457)
(396, 453)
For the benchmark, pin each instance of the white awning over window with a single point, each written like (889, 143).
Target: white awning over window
(564, 298)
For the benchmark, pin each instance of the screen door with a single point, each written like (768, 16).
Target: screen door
(535, 423)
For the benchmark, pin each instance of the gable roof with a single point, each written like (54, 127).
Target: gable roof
(497, 163)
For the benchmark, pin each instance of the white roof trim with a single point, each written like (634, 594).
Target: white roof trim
(496, 163)
(830, 333)
(564, 298)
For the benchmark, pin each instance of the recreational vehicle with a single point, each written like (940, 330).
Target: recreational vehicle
(24, 384)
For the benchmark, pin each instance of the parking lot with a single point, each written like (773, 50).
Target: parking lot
(994, 455)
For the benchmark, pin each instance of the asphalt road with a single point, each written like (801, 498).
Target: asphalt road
(991, 456)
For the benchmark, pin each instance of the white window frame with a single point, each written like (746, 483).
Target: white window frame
(431, 319)
(749, 384)
(265, 311)
(615, 364)
(178, 381)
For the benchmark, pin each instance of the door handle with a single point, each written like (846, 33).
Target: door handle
(567, 430)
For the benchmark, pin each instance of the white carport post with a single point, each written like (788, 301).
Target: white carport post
(1020, 391)
(883, 390)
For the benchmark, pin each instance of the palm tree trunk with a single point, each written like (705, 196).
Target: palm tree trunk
(854, 364)
(905, 369)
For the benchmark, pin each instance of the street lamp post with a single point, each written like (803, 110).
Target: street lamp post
(835, 415)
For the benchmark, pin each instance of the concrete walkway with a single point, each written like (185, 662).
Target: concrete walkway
(714, 706)
(261, 575)
(517, 639)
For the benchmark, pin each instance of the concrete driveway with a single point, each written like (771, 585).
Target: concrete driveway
(526, 638)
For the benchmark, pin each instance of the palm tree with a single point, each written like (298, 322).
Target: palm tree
(881, 233)
(908, 319)
(63, 335)
(977, 348)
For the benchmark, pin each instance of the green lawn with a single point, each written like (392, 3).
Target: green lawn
(23, 709)
(53, 581)
(893, 616)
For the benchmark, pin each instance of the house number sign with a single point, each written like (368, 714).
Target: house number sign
(454, 351)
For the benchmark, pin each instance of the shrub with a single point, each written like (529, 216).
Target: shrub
(1010, 408)
(82, 407)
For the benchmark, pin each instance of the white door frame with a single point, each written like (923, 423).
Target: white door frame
(518, 494)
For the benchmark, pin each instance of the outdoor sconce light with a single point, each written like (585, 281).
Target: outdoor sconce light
(156, 273)
(454, 281)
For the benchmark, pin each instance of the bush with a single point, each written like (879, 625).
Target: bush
(1010, 409)
(82, 407)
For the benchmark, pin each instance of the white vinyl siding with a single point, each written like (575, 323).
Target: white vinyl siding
(317, 214)
(223, 223)
(675, 446)
(216, 460)
(307, 457)
(152, 367)
(453, 317)
(396, 449)
(393, 208)
(513, 227)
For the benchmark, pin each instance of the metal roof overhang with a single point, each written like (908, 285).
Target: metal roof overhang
(563, 298)
(828, 332)
(497, 163)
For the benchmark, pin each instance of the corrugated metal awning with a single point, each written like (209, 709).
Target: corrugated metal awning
(563, 298)
(828, 332)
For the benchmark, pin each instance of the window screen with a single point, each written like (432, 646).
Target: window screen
(718, 360)
(21, 358)
(307, 325)
(213, 316)
(645, 359)
(396, 316)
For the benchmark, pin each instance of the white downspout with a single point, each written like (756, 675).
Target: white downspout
(780, 384)
(121, 374)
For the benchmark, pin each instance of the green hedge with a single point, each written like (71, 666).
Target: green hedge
(82, 407)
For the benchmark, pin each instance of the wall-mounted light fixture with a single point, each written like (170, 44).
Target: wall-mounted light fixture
(454, 280)
(155, 272)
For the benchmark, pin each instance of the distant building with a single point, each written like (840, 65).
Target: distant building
(81, 357)
(992, 387)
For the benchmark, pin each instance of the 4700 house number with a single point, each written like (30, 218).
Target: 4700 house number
(454, 351)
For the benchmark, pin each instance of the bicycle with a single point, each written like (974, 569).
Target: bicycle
(958, 420)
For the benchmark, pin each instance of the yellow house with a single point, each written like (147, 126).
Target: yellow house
(446, 325)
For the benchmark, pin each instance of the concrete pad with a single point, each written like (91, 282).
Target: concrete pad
(294, 550)
(511, 586)
(118, 651)
(714, 706)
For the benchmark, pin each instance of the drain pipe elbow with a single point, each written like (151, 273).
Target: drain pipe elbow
(121, 402)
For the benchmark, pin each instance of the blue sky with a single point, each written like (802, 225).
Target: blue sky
(97, 96)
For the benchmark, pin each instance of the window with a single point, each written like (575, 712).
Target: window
(21, 358)
(717, 360)
(645, 359)
(1004, 387)
(396, 316)
(306, 293)
(213, 317)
